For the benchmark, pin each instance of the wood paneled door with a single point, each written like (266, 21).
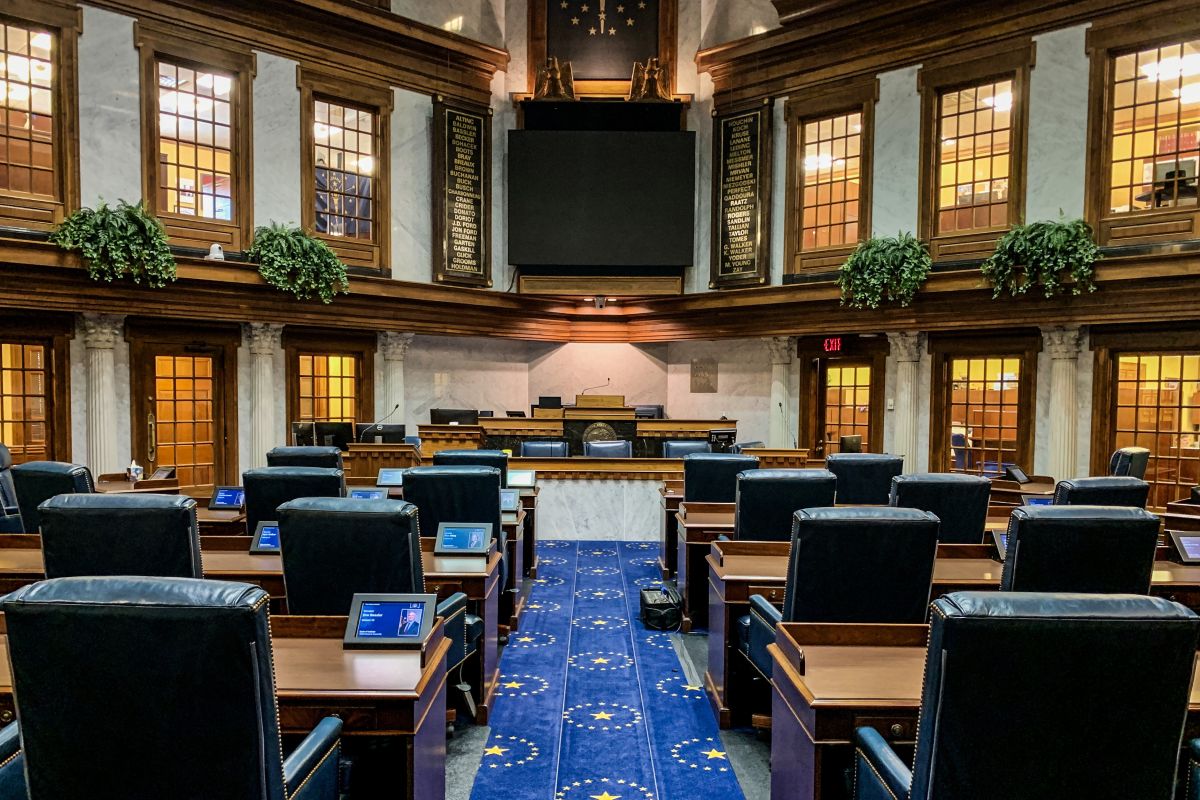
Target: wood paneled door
(184, 408)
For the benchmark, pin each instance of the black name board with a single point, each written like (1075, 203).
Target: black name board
(741, 249)
(462, 194)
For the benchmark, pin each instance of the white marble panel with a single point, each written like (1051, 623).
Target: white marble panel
(481, 20)
(1083, 411)
(460, 372)
(79, 421)
(1058, 109)
(412, 224)
(699, 119)
(779, 164)
(743, 385)
(897, 153)
(516, 41)
(109, 111)
(924, 422)
(611, 510)
(276, 141)
(637, 371)
(737, 19)
(504, 119)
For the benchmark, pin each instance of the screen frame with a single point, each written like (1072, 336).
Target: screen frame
(1017, 474)
(213, 505)
(379, 481)
(351, 640)
(1036, 500)
(439, 548)
(1000, 540)
(256, 546)
(509, 484)
(1181, 551)
(373, 489)
(515, 494)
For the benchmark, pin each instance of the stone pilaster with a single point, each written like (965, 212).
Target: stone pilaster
(1061, 345)
(783, 355)
(907, 347)
(263, 340)
(101, 332)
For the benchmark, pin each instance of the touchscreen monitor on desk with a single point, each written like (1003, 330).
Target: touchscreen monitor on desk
(389, 621)
(462, 538)
(1037, 499)
(368, 494)
(266, 538)
(510, 500)
(227, 498)
(1187, 546)
(1001, 540)
(390, 476)
(520, 478)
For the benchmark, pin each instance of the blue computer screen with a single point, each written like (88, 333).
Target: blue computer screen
(463, 538)
(268, 536)
(1039, 501)
(390, 477)
(366, 494)
(1191, 546)
(390, 620)
(230, 496)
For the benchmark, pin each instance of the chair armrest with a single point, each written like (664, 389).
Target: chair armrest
(311, 771)
(453, 611)
(879, 774)
(761, 607)
(10, 741)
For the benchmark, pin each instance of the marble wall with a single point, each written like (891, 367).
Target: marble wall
(737, 19)
(743, 385)
(639, 372)
(897, 153)
(276, 141)
(481, 20)
(110, 137)
(1058, 102)
(412, 167)
(457, 372)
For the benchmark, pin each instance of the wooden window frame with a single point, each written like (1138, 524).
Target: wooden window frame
(328, 342)
(66, 21)
(1117, 36)
(371, 257)
(943, 350)
(54, 333)
(177, 45)
(873, 353)
(1007, 60)
(857, 95)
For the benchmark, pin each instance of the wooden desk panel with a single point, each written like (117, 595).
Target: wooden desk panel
(698, 526)
(220, 523)
(365, 460)
(671, 494)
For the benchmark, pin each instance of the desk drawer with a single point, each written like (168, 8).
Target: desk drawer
(894, 728)
(773, 594)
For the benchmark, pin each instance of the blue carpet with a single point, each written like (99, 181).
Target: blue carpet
(591, 704)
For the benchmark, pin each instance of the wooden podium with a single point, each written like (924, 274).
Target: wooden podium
(364, 460)
(599, 407)
(435, 438)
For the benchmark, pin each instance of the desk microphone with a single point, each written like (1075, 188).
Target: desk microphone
(787, 424)
(378, 424)
(607, 382)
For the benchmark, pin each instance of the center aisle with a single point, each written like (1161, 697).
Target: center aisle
(591, 704)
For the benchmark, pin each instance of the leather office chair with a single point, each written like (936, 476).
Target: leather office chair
(38, 481)
(712, 477)
(864, 478)
(473, 458)
(684, 447)
(960, 502)
(1087, 549)
(1040, 697)
(1103, 491)
(739, 447)
(334, 547)
(193, 717)
(612, 448)
(1130, 462)
(327, 457)
(10, 514)
(267, 488)
(848, 565)
(768, 499)
(121, 534)
(547, 449)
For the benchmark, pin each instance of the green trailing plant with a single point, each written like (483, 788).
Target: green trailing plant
(295, 261)
(1044, 254)
(118, 242)
(884, 269)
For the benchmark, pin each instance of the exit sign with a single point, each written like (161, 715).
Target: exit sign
(832, 344)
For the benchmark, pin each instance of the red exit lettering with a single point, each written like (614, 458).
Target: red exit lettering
(833, 345)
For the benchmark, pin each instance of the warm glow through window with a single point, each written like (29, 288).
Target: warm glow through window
(984, 413)
(195, 141)
(344, 142)
(973, 157)
(329, 387)
(26, 111)
(830, 180)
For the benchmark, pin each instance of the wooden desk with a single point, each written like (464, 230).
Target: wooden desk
(435, 438)
(366, 459)
(671, 494)
(854, 676)
(512, 601)
(378, 695)
(116, 484)
(220, 522)
(529, 503)
(698, 526)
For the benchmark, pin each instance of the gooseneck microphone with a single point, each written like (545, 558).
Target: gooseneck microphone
(377, 425)
(787, 424)
(607, 382)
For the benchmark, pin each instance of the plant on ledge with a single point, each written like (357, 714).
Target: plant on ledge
(1044, 253)
(886, 268)
(115, 242)
(294, 261)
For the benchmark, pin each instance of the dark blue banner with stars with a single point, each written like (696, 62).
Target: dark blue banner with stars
(602, 38)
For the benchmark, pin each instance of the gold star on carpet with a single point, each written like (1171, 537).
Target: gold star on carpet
(687, 688)
(602, 715)
(606, 796)
(714, 753)
(525, 639)
(533, 606)
(599, 660)
(513, 685)
(591, 31)
(599, 622)
(495, 750)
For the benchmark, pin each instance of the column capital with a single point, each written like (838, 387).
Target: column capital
(264, 338)
(393, 345)
(102, 331)
(907, 345)
(783, 349)
(1061, 341)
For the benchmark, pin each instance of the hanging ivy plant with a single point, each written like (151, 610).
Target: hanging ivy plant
(884, 269)
(294, 261)
(118, 242)
(1044, 253)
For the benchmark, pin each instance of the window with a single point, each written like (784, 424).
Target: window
(973, 142)
(841, 392)
(184, 407)
(23, 394)
(1145, 107)
(38, 139)
(330, 376)
(847, 404)
(345, 146)
(196, 138)
(829, 146)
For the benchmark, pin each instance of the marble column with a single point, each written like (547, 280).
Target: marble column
(263, 341)
(907, 347)
(1061, 345)
(100, 335)
(393, 348)
(783, 354)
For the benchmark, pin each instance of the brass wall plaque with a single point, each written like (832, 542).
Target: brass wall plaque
(704, 376)
(741, 247)
(462, 193)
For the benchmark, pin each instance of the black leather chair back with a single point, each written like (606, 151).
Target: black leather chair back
(548, 449)
(327, 457)
(684, 447)
(37, 481)
(1042, 697)
(474, 458)
(170, 677)
(1103, 491)
(611, 448)
(267, 488)
(860, 565)
(8, 494)
(768, 499)
(154, 535)
(959, 501)
(712, 477)
(454, 494)
(864, 477)
(739, 447)
(1087, 549)
(334, 547)
(1129, 462)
